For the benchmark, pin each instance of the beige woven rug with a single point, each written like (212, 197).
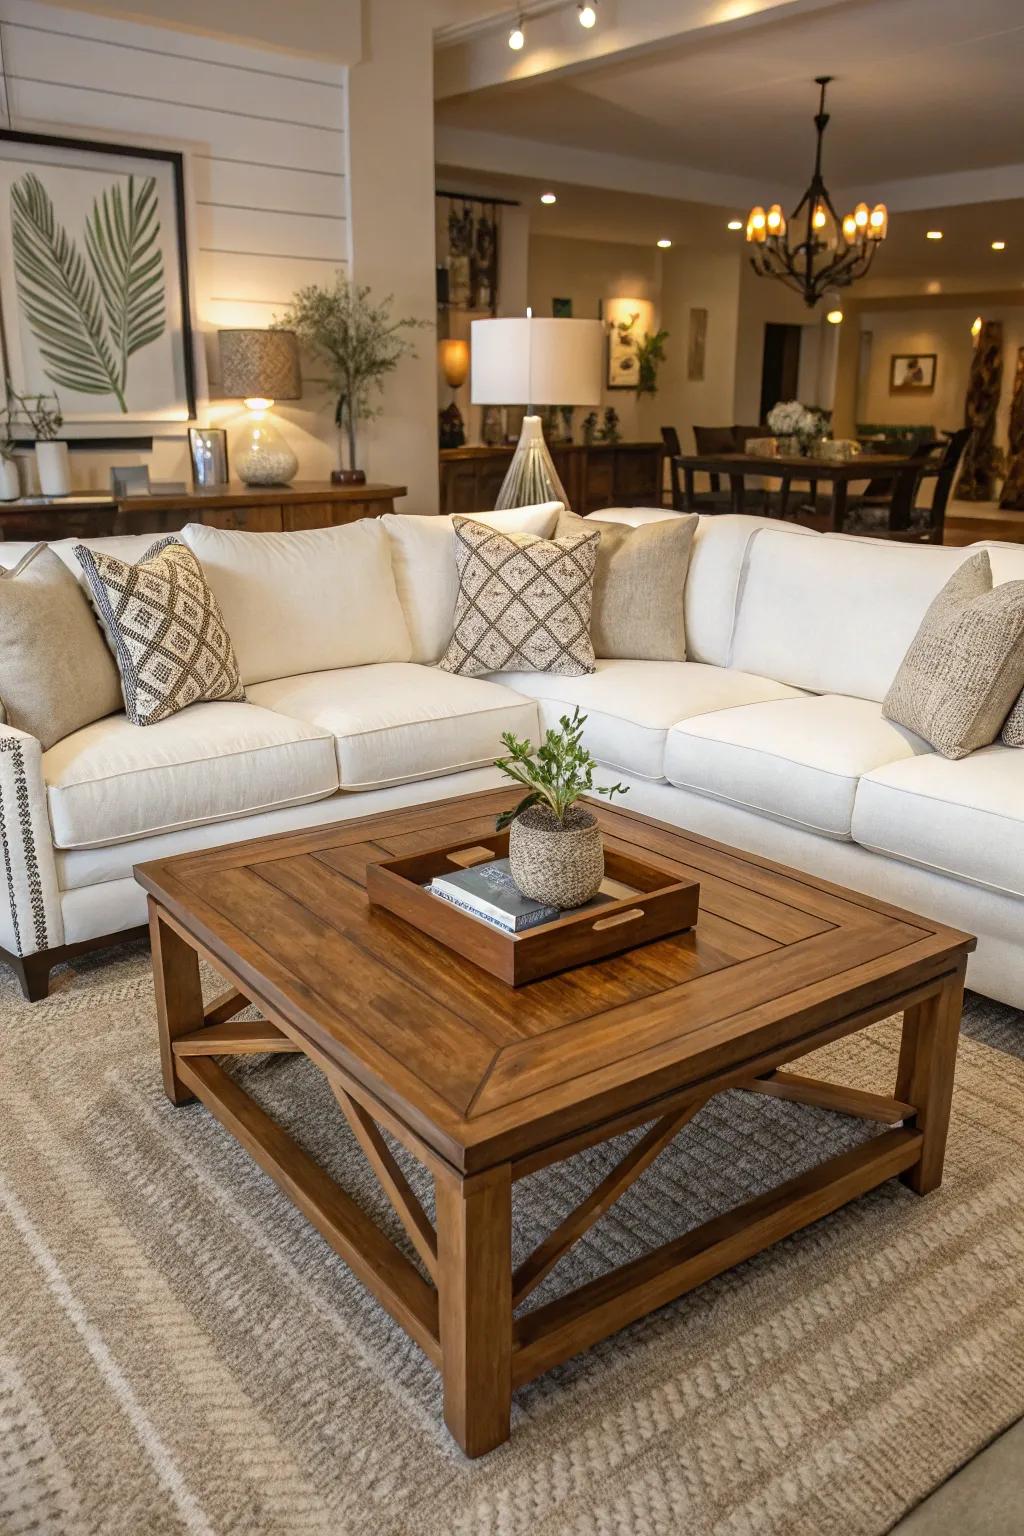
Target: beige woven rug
(179, 1352)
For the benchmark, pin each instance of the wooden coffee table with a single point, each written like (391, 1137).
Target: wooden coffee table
(484, 1084)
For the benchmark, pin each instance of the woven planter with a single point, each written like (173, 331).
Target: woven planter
(560, 863)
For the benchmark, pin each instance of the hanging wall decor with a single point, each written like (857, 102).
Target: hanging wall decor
(981, 457)
(1013, 486)
(696, 347)
(467, 252)
(94, 280)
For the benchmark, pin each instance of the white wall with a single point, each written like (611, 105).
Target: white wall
(590, 272)
(695, 280)
(391, 119)
(762, 301)
(267, 135)
(946, 332)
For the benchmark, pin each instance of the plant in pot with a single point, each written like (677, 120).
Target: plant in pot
(10, 481)
(554, 849)
(45, 419)
(359, 343)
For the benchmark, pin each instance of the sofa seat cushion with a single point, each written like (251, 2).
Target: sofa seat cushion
(963, 818)
(112, 781)
(396, 722)
(630, 705)
(797, 760)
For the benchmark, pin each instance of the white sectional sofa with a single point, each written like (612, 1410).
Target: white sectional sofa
(770, 736)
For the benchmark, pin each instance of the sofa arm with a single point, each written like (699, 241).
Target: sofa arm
(30, 914)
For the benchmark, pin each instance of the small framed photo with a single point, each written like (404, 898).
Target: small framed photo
(208, 450)
(912, 373)
(561, 309)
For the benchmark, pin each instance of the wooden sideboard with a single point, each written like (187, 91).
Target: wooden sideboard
(594, 475)
(271, 509)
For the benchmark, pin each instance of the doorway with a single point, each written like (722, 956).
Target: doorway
(780, 366)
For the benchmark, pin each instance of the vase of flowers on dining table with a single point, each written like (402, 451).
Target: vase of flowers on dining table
(797, 427)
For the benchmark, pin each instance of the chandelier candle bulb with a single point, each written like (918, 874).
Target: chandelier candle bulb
(776, 220)
(850, 229)
(756, 225)
(878, 224)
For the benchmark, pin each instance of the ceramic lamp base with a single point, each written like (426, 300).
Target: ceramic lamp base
(262, 457)
(532, 477)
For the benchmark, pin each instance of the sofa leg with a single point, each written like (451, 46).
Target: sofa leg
(33, 973)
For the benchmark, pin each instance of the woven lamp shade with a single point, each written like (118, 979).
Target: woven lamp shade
(257, 364)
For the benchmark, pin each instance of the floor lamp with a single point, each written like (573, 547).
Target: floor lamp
(535, 362)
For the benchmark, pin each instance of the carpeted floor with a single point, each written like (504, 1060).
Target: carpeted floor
(180, 1352)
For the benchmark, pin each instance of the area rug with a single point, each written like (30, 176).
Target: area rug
(180, 1352)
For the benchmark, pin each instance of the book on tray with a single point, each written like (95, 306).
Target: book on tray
(488, 891)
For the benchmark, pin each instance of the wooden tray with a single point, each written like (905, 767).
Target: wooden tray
(655, 905)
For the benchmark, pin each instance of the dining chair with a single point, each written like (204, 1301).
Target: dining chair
(898, 515)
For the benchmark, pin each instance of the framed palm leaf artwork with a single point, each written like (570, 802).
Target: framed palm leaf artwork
(94, 292)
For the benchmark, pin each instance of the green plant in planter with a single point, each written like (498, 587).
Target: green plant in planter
(557, 774)
(358, 341)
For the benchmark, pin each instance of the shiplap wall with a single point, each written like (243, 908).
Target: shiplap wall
(265, 135)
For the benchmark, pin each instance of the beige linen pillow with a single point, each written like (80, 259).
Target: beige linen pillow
(56, 673)
(638, 586)
(165, 629)
(423, 560)
(1013, 730)
(524, 603)
(965, 666)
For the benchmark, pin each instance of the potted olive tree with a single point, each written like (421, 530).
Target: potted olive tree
(359, 343)
(554, 849)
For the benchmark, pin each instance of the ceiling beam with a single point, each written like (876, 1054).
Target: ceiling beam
(508, 155)
(557, 45)
(987, 184)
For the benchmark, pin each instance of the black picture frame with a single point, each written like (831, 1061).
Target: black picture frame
(176, 161)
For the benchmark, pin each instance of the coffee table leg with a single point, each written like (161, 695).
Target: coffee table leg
(179, 997)
(474, 1239)
(931, 1031)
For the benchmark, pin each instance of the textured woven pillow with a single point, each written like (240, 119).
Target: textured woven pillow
(524, 603)
(965, 666)
(56, 674)
(638, 586)
(165, 629)
(1013, 730)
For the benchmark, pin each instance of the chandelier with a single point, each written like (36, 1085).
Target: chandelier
(814, 251)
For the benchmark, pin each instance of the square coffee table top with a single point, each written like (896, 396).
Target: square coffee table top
(483, 1073)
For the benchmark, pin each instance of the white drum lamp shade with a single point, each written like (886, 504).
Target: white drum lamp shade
(535, 362)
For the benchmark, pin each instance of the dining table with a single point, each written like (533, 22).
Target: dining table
(880, 469)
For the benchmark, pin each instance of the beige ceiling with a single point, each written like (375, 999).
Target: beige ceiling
(963, 258)
(923, 87)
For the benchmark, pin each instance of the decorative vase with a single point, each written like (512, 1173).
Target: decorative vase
(559, 863)
(10, 480)
(54, 468)
(262, 457)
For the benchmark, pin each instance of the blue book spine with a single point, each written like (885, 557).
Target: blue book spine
(531, 920)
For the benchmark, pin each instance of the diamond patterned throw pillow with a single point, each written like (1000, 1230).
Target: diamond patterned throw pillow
(165, 629)
(524, 603)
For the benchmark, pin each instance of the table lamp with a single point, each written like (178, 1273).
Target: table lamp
(454, 357)
(260, 367)
(535, 362)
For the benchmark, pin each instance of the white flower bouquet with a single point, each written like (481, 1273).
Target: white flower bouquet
(791, 419)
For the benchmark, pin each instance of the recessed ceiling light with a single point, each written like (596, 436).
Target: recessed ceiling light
(999, 245)
(934, 234)
(548, 197)
(664, 244)
(735, 224)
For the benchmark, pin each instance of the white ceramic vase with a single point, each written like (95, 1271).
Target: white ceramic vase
(10, 480)
(54, 468)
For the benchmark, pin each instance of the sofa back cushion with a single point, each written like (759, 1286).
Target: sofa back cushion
(427, 578)
(304, 602)
(834, 614)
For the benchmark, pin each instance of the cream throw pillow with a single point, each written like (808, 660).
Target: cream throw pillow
(638, 586)
(427, 578)
(165, 629)
(965, 666)
(304, 602)
(524, 603)
(56, 672)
